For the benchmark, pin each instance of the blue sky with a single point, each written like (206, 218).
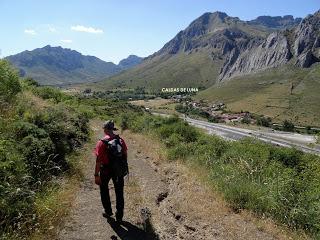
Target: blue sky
(113, 29)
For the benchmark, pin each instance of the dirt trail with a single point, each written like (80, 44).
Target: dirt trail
(180, 206)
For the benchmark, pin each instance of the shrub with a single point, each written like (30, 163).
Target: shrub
(49, 93)
(30, 82)
(16, 198)
(33, 149)
(288, 126)
(180, 108)
(214, 119)
(264, 121)
(246, 120)
(9, 82)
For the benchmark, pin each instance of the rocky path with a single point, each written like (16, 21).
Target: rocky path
(163, 200)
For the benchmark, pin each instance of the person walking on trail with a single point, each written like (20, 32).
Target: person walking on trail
(111, 163)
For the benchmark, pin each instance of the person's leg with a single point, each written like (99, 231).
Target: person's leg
(105, 196)
(118, 183)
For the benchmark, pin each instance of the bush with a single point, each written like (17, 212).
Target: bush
(33, 149)
(30, 82)
(16, 198)
(49, 93)
(180, 108)
(246, 120)
(9, 82)
(288, 126)
(214, 119)
(264, 121)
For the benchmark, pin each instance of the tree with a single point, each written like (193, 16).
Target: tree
(264, 121)
(31, 82)
(288, 126)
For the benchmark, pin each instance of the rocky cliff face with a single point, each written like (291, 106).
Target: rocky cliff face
(307, 41)
(214, 31)
(216, 47)
(272, 52)
(302, 44)
(249, 46)
(278, 22)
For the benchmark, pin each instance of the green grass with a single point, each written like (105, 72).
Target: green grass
(271, 181)
(180, 70)
(41, 128)
(268, 93)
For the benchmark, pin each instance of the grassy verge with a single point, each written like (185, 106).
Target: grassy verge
(38, 139)
(273, 182)
(42, 130)
(54, 204)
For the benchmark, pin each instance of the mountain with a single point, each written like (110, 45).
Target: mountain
(278, 22)
(300, 45)
(213, 48)
(130, 62)
(61, 66)
(267, 66)
(278, 76)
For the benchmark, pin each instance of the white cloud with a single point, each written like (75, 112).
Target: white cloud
(66, 40)
(80, 28)
(30, 31)
(52, 29)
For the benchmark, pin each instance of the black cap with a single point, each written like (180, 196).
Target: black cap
(109, 125)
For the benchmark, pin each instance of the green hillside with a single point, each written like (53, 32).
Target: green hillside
(62, 66)
(268, 93)
(180, 70)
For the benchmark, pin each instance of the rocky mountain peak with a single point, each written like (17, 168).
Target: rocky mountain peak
(301, 43)
(220, 15)
(307, 41)
(277, 22)
(130, 61)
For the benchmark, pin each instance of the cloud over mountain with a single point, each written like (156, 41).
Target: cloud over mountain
(80, 28)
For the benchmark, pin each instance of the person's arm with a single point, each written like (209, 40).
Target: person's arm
(125, 153)
(97, 179)
(97, 168)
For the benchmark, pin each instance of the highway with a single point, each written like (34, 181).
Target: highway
(279, 138)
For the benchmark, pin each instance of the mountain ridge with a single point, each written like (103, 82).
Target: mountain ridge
(216, 47)
(61, 66)
(130, 61)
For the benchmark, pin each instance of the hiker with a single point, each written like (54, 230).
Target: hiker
(111, 163)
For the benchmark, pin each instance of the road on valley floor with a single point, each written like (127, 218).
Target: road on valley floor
(284, 139)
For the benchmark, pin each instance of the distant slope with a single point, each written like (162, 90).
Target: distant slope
(130, 62)
(197, 55)
(268, 93)
(60, 66)
(178, 70)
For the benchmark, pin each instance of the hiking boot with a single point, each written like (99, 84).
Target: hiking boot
(119, 217)
(107, 214)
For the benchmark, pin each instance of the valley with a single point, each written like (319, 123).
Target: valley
(238, 157)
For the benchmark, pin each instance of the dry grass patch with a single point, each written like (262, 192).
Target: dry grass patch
(196, 187)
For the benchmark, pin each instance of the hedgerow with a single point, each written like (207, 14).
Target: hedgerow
(34, 145)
